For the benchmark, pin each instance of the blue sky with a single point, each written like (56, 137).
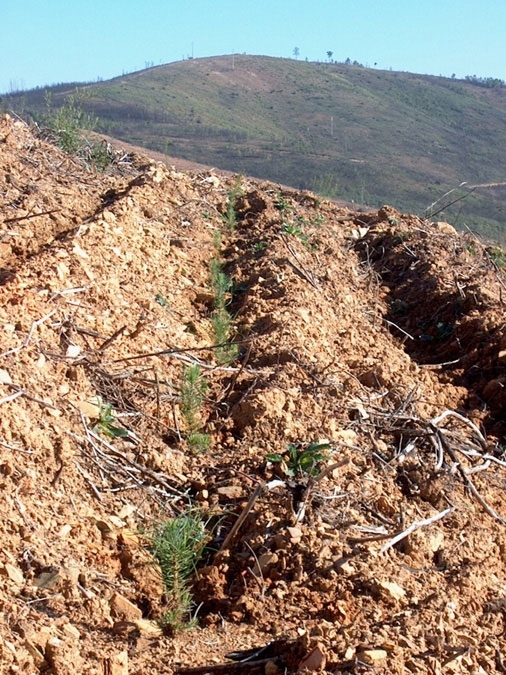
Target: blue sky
(46, 42)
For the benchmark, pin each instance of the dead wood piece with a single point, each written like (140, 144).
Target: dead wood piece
(34, 325)
(249, 506)
(299, 267)
(110, 340)
(248, 668)
(17, 219)
(116, 664)
(416, 526)
(471, 486)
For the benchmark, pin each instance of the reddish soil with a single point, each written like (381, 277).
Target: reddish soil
(382, 333)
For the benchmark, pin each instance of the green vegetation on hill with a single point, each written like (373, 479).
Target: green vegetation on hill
(359, 134)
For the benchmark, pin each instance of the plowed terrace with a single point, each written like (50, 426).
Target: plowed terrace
(381, 334)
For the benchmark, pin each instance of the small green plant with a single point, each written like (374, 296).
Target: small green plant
(97, 155)
(67, 123)
(193, 394)
(298, 461)
(68, 126)
(221, 320)
(198, 442)
(318, 220)
(282, 204)
(401, 237)
(161, 300)
(177, 546)
(259, 246)
(497, 255)
(230, 215)
(296, 230)
(220, 283)
(217, 240)
(106, 423)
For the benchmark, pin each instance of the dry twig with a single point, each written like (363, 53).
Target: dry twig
(415, 526)
(34, 325)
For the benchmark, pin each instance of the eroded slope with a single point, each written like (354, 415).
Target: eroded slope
(360, 330)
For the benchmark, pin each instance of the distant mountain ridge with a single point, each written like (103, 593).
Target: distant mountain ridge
(364, 135)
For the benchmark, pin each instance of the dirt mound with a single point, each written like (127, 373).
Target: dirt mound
(354, 484)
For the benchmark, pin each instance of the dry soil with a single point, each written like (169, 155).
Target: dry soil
(382, 334)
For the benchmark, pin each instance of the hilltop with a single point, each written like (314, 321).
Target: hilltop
(342, 450)
(359, 134)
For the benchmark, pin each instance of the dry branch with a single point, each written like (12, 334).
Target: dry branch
(235, 528)
(418, 524)
(15, 350)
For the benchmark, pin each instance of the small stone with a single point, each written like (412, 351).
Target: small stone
(295, 534)
(343, 566)
(35, 653)
(315, 660)
(5, 378)
(116, 664)
(148, 628)
(117, 522)
(393, 589)
(122, 608)
(347, 436)
(265, 561)
(71, 631)
(230, 491)
(73, 351)
(436, 541)
(126, 511)
(446, 228)
(77, 250)
(349, 654)
(372, 656)
(14, 574)
(90, 409)
(65, 530)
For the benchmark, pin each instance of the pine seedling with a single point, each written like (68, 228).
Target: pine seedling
(221, 321)
(230, 215)
(193, 394)
(178, 545)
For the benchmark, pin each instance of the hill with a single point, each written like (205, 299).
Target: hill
(338, 446)
(363, 135)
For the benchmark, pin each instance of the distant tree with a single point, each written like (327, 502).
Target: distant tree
(329, 54)
(488, 82)
(348, 61)
(296, 52)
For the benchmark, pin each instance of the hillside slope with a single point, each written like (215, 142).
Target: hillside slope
(381, 334)
(359, 134)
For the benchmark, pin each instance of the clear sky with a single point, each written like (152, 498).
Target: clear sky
(49, 41)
